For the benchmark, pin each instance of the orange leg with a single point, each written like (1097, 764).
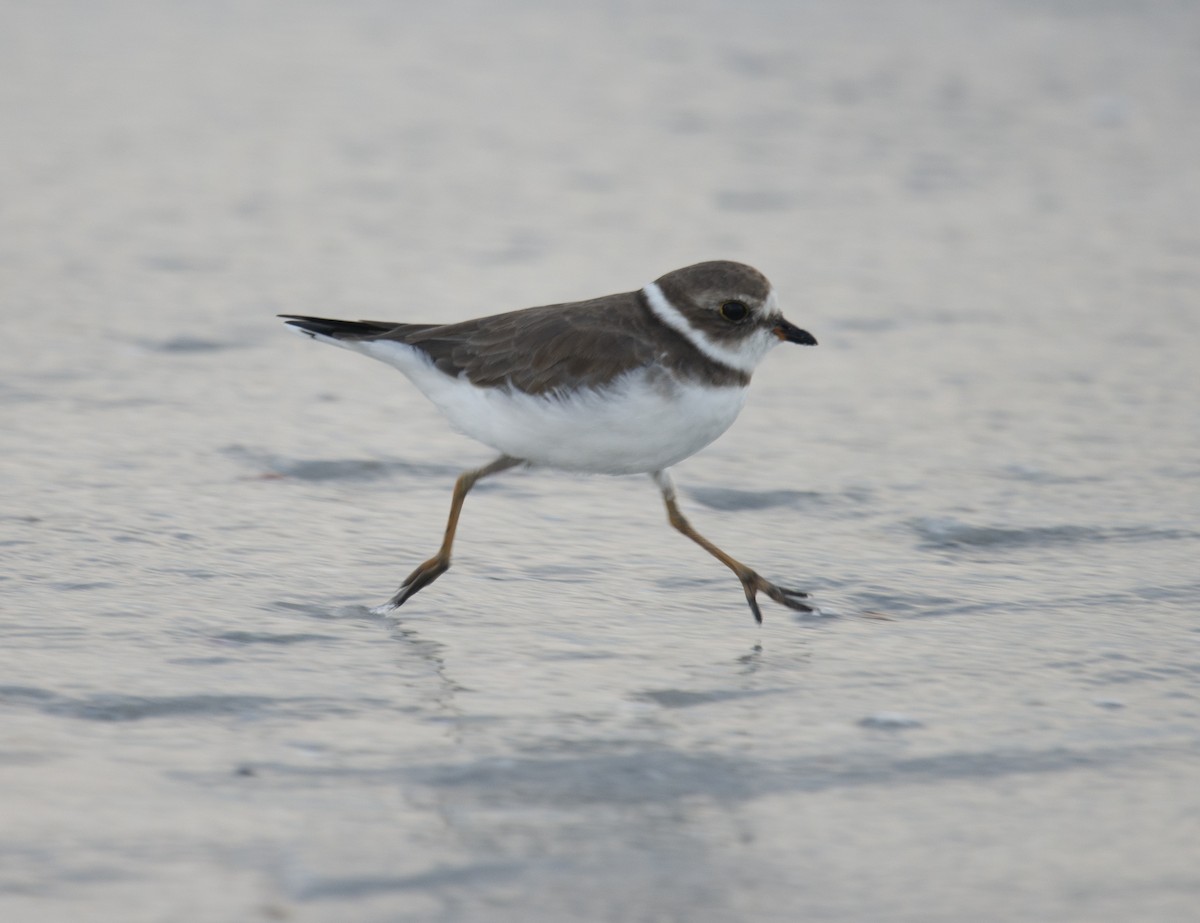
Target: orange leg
(752, 583)
(440, 562)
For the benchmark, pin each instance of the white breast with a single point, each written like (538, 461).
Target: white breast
(645, 421)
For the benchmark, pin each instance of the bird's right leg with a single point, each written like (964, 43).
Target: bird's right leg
(440, 562)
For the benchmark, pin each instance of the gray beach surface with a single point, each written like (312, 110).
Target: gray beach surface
(988, 473)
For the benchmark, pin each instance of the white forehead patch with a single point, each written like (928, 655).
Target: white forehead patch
(744, 357)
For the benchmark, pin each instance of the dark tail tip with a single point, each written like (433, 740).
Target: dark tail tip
(338, 329)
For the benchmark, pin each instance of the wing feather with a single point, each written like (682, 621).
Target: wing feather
(535, 350)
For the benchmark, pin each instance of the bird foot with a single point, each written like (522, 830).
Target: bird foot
(419, 579)
(753, 584)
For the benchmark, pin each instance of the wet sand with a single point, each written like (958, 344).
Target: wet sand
(985, 214)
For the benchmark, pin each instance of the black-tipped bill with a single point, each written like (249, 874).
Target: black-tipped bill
(793, 334)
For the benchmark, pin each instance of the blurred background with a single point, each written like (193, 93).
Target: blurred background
(988, 473)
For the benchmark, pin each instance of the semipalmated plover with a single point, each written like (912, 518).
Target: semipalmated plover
(626, 384)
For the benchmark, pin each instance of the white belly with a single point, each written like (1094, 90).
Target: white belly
(642, 422)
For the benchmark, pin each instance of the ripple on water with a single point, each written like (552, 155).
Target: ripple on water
(116, 707)
(334, 469)
(732, 498)
(188, 344)
(684, 698)
(258, 637)
(948, 532)
(363, 886)
(662, 775)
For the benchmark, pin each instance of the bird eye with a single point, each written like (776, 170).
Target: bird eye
(734, 311)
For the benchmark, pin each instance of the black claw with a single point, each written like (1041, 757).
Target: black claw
(401, 596)
(754, 606)
(415, 582)
(790, 598)
(406, 593)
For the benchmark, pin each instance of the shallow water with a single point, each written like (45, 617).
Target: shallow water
(988, 473)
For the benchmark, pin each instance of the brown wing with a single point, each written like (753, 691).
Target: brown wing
(541, 350)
